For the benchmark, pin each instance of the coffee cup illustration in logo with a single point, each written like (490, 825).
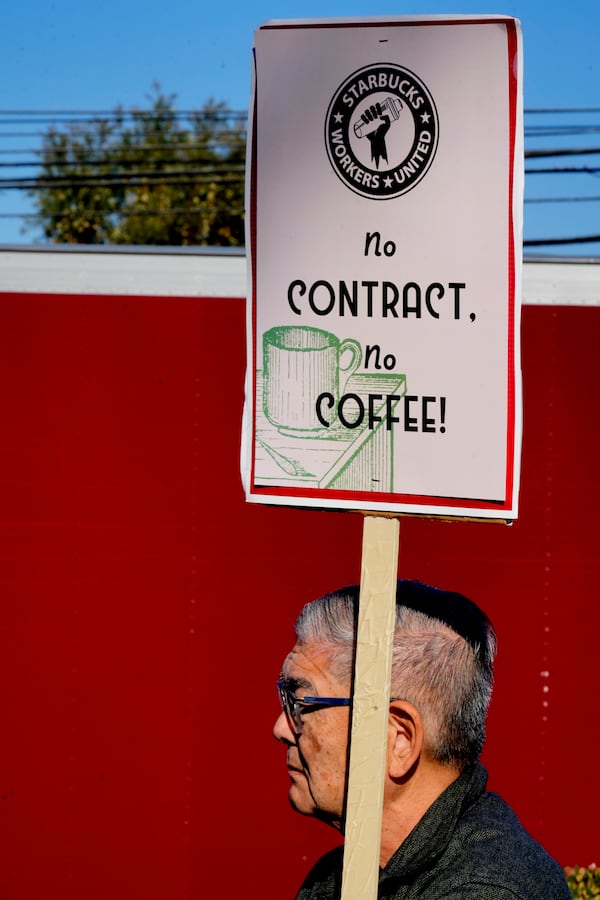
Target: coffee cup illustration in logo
(299, 364)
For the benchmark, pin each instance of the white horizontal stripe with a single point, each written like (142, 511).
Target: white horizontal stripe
(209, 272)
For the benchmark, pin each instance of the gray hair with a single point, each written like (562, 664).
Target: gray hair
(444, 647)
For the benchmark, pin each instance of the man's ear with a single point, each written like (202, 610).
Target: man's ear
(405, 738)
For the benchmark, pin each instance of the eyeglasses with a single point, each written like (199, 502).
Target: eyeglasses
(294, 706)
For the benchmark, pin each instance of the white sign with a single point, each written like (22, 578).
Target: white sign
(385, 212)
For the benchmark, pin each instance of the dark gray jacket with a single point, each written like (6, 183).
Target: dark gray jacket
(469, 845)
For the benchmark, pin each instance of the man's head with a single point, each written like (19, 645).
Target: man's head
(444, 648)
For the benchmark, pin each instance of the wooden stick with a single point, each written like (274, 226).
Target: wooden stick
(370, 709)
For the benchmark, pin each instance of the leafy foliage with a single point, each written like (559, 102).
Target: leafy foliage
(145, 177)
(584, 883)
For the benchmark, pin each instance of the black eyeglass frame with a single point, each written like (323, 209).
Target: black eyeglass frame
(294, 706)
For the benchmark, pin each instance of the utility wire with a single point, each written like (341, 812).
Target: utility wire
(134, 180)
(561, 131)
(184, 146)
(176, 211)
(184, 150)
(588, 239)
(571, 151)
(109, 162)
(554, 110)
(89, 118)
(564, 170)
(534, 110)
(562, 199)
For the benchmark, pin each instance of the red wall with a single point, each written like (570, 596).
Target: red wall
(145, 607)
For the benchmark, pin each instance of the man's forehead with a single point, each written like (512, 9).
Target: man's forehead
(308, 665)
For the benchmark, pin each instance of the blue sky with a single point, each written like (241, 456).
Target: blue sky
(69, 55)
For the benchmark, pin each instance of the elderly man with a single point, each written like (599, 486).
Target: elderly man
(443, 837)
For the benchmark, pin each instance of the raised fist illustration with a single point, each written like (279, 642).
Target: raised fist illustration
(374, 123)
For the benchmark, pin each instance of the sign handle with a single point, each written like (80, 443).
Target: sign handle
(372, 679)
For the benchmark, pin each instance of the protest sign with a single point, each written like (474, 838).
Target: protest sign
(384, 200)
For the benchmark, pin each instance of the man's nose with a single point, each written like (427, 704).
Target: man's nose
(282, 730)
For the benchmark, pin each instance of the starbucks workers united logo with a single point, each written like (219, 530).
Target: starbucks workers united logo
(381, 131)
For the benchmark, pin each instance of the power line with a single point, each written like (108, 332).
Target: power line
(561, 131)
(144, 213)
(57, 161)
(188, 176)
(565, 170)
(587, 239)
(57, 158)
(571, 151)
(562, 199)
(183, 146)
(66, 117)
(210, 111)
(529, 110)
(110, 163)
(136, 180)
(561, 109)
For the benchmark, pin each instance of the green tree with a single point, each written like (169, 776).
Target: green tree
(151, 176)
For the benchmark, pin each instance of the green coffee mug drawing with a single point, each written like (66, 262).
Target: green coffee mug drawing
(299, 364)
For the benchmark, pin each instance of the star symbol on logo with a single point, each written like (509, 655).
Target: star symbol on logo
(338, 118)
(425, 118)
(388, 182)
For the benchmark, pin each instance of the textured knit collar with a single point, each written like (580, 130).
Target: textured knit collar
(431, 835)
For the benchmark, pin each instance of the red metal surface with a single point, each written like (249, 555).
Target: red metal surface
(145, 607)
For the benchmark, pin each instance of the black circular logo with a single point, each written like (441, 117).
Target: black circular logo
(381, 131)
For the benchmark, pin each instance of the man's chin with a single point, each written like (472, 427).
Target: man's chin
(300, 803)
(306, 807)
